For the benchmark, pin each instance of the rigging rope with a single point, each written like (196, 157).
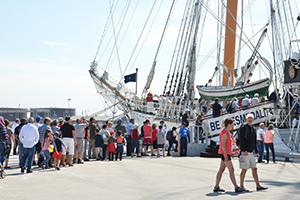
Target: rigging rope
(138, 40)
(175, 50)
(114, 32)
(115, 45)
(179, 48)
(125, 31)
(136, 57)
(105, 30)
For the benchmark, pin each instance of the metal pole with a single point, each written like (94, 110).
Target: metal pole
(69, 99)
(136, 80)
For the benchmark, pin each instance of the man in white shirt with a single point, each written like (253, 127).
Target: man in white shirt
(255, 100)
(14, 126)
(29, 136)
(246, 102)
(261, 141)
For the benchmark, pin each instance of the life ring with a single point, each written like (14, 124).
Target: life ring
(235, 148)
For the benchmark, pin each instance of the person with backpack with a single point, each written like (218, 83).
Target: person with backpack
(171, 137)
(225, 153)
(247, 140)
(232, 106)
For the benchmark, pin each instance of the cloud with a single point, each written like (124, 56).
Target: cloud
(55, 44)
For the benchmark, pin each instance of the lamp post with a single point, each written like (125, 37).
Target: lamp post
(69, 99)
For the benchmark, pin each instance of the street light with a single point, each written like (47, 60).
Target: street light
(69, 99)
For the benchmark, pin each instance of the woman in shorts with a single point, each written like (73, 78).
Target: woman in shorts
(225, 153)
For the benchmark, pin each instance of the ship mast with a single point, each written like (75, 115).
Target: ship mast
(229, 49)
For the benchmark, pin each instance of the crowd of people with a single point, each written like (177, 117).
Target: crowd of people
(57, 143)
(247, 102)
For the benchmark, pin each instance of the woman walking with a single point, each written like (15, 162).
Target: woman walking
(225, 152)
(269, 142)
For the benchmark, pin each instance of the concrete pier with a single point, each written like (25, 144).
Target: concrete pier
(148, 178)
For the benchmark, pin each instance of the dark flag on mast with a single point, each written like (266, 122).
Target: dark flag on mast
(130, 78)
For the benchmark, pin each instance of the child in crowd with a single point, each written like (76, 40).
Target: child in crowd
(111, 148)
(120, 144)
(98, 145)
(45, 148)
(160, 141)
(135, 140)
(58, 143)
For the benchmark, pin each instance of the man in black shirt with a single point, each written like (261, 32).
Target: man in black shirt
(185, 117)
(67, 132)
(16, 134)
(248, 144)
(217, 108)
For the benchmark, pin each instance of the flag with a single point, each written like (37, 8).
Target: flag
(130, 78)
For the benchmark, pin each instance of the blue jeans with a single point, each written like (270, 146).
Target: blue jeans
(47, 158)
(104, 150)
(85, 147)
(135, 144)
(20, 151)
(260, 146)
(2, 152)
(27, 155)
(271, 146)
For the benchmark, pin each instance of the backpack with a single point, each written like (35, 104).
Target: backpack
(237, 139)
(229, 108)
(169, 135)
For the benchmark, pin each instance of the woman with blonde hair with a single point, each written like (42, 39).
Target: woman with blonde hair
(225, 153)
(269, 142)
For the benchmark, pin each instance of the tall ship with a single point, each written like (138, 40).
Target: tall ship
(224, 49)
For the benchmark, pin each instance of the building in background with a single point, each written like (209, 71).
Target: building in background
(12, 113)
(53, 113)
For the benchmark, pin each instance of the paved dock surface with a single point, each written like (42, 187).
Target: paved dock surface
(148, 178)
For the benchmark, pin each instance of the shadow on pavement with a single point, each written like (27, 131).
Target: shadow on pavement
(215, 194)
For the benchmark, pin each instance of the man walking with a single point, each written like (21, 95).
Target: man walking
(248, 144)
(29, 136)
(261, 141)
(129, 128)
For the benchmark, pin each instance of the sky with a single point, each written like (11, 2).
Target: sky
(46, 48)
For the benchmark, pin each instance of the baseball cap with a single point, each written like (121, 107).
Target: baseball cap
(247, 96)
(249, 115)
(112, 132)
(120, 120)
(183, 123)
(38, 118)
(187, 110)
(56, 133)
